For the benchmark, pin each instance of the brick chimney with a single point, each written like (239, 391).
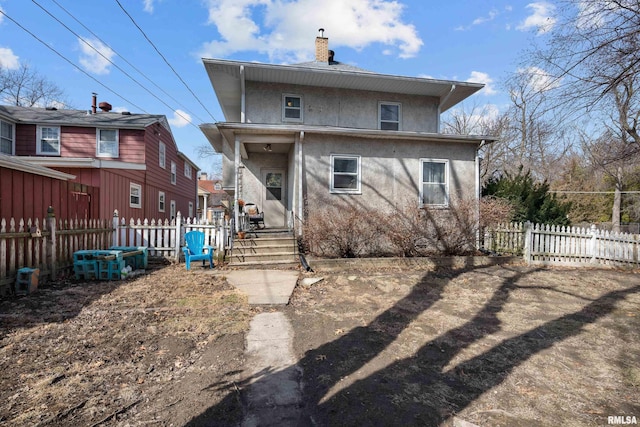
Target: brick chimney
(322, 47)
(94, 100)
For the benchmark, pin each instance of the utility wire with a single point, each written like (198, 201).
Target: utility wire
(112, 63)
(125, 60)
(165, 59)
(71, 62)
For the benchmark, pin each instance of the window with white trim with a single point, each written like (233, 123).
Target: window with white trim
(291, 108)
(389, 115)
(172, 207)
(345, 173)
(434, 182)
(174, 175)
(161, 201)
(48, 140)
(135, 195)
(107, 145)
(190, 209)
(162, 155)
(187, 170)
(6, 137)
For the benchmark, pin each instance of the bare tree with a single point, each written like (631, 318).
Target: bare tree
(27, 88)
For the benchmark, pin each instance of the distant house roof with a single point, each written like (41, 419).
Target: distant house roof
(226, 77)
(210, 186)
(34, 115)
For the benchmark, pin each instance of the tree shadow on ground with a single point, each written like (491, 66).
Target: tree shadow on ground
(439, 391)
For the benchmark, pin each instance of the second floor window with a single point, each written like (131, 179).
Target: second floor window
(48, 141)
(107, 143)
(291, 108)
(6, 137)
(174, 177)
(162, 155)
(389, 116)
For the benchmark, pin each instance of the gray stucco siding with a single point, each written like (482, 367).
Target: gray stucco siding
(390, 170)
(338, 107)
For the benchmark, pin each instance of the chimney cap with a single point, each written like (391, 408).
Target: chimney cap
(105, 106)
(321, 32)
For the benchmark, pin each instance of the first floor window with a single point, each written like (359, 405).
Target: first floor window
(389, 116)
(135, 195)
(345, 174)
(161, 201)
(6, 137)
(174, 177)
(434, 182)
(48, 140)
(190, 209)
(107, 143)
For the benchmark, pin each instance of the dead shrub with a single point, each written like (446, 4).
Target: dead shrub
(342, 230)
(494, 211)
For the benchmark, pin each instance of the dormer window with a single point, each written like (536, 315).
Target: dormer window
(291, 108)
(48, 141)
(389, 114)
(6, 137)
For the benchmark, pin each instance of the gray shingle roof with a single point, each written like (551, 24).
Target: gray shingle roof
(334, 65)
(78, 117)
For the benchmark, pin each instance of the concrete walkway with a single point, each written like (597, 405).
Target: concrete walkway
(274, 393)
(264, 286)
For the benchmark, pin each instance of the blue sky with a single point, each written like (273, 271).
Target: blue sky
(478, 41)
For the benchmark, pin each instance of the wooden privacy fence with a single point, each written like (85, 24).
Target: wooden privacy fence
(563, 245)
(49, 244)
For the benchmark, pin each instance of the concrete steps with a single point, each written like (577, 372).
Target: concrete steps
(264, 249)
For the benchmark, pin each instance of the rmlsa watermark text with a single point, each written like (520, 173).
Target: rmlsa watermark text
(621, 420)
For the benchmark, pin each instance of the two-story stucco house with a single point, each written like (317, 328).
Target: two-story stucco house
(124, 161)
(299, 136)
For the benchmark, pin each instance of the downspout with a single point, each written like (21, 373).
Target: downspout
(300, 204)
(442, 101)
(478, 193)
(243, 99)
(236, 207)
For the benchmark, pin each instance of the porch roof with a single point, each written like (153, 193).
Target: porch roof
(226, 81)
(261, 133)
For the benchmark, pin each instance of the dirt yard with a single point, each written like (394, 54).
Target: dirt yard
(495, 346)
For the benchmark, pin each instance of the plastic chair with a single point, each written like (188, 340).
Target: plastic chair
(196, 250)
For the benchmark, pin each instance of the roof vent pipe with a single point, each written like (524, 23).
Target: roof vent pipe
(94, 103)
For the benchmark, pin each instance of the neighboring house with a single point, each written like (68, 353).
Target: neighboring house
(131, 158)
(213, 201)
(297, 137)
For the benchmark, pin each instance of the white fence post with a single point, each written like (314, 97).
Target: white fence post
(116, 224)
(178, 236)
(593, 247)
(527, 243)
(51, 244)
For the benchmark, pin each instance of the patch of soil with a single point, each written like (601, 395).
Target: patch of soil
(496, 346)
(158, 349)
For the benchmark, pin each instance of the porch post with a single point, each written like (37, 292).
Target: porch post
(300, 200)
(204, 208)
(237, 184)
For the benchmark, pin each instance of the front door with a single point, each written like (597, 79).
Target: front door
(274, 197)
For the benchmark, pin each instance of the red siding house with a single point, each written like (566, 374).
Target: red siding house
(129, 162)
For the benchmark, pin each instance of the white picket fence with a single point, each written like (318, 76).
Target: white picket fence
(563, 245)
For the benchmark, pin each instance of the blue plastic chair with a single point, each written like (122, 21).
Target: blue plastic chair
(196, 250)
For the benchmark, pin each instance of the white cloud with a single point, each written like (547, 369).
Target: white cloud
(482, 19)
(538, 79)
(8, 59)
(180, 119)
(148, 6)
(480, 77)
(95, 59)
(542, 19)
(289, 27)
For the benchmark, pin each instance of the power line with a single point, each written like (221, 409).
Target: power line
(125, 60)
(71, 62)
(112, 63)
(165, 59)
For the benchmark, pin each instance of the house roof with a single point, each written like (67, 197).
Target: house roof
(17, 163)
(32, 115)
(253, 133)
(225, 76)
